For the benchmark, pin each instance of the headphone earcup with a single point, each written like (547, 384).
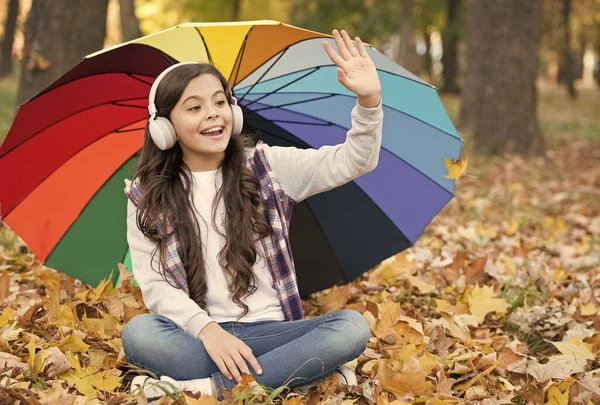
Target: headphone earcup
(162, 133)
(237, 119)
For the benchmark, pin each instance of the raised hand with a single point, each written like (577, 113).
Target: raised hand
(356, 71)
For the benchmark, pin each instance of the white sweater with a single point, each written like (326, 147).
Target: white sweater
(301, 173)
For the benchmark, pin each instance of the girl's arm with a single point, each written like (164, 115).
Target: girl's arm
(305, 172)
(159, 296)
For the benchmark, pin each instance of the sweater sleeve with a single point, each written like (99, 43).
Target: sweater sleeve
(305, 172)
(159, 296)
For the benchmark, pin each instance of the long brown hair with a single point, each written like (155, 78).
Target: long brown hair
(167, 194)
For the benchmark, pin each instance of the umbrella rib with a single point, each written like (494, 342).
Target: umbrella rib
(345, 95)
(282, 87)
(283, 138)
(289, 122)
(66, 117)
(134, 76)
(122, 131)
(241, 57)
(266, 71)
(65, 161)
(294, 103)
(340, 126)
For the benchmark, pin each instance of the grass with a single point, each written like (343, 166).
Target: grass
(8, 101)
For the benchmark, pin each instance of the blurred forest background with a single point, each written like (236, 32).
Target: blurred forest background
(520, 79)
(486, 56)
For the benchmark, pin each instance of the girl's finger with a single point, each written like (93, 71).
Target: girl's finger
(233, 369)
(335, 58)
(361, 48)
(344, 53)
(239, 360)
(252, 360)
(222, 368)
(349, 44)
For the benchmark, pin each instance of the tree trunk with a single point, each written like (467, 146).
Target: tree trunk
(130, 25)
(6, 65)
(475, 42)
(450, 45)
(505, 101)
(58, 34)
(407, 53)
(566, 74)
(428, 64)
(236, 10)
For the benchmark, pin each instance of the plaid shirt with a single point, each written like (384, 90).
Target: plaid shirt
(277, 249)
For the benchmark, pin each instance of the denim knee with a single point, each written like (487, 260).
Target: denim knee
(137, 333)
(357, 331)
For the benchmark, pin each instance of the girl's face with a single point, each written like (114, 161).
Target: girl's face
(202, 121)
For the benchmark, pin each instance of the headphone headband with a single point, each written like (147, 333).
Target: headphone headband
(151, 107)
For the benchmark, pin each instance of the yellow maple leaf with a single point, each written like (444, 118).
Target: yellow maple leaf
(74, 360)
(481, 302)
(106, 325)
(73, 343)
(402, 379)
(107, 380)
(588, 309)
(82, 379)
(458, 325)
(64, 316)
(576, 348)
(390, 270)
(8, 316)
(455, 167)
(31, 350)
(51, 361)
(210, 400)
(104, 289)
(555, 397)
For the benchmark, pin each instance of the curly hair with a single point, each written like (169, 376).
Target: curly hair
(167, 195)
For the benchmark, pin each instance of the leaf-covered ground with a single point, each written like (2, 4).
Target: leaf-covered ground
(498, 303)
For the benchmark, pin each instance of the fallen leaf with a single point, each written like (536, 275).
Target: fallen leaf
(575, 348)
(455, 167)
(555, 397)
(401, 379)
(51, 362)
(8, 360)
(588, 309)
(73, 343)
(481, 302)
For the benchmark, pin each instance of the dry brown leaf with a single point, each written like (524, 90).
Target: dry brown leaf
(4, 285)
(481, 302)
(405, 378)
(56, 394)
(51, 362)
(8, 360)
(203, 400)
(334, 300)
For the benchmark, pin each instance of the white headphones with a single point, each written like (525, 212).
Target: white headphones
(162, 130)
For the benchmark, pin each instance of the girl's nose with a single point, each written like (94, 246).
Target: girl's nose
(212, 113)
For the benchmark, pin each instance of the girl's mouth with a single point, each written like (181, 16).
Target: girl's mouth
(215, 132)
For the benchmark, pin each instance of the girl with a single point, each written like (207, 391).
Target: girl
(207, 226)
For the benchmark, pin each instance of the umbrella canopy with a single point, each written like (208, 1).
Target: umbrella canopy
(70, 148)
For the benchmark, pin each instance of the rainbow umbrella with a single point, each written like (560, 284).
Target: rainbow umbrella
(70, 148)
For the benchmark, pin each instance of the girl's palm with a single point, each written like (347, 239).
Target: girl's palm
(356, 70)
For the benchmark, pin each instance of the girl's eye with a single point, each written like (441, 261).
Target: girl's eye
(221, 102)
(195, 108)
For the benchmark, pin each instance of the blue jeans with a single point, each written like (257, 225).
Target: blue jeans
(293, 352)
